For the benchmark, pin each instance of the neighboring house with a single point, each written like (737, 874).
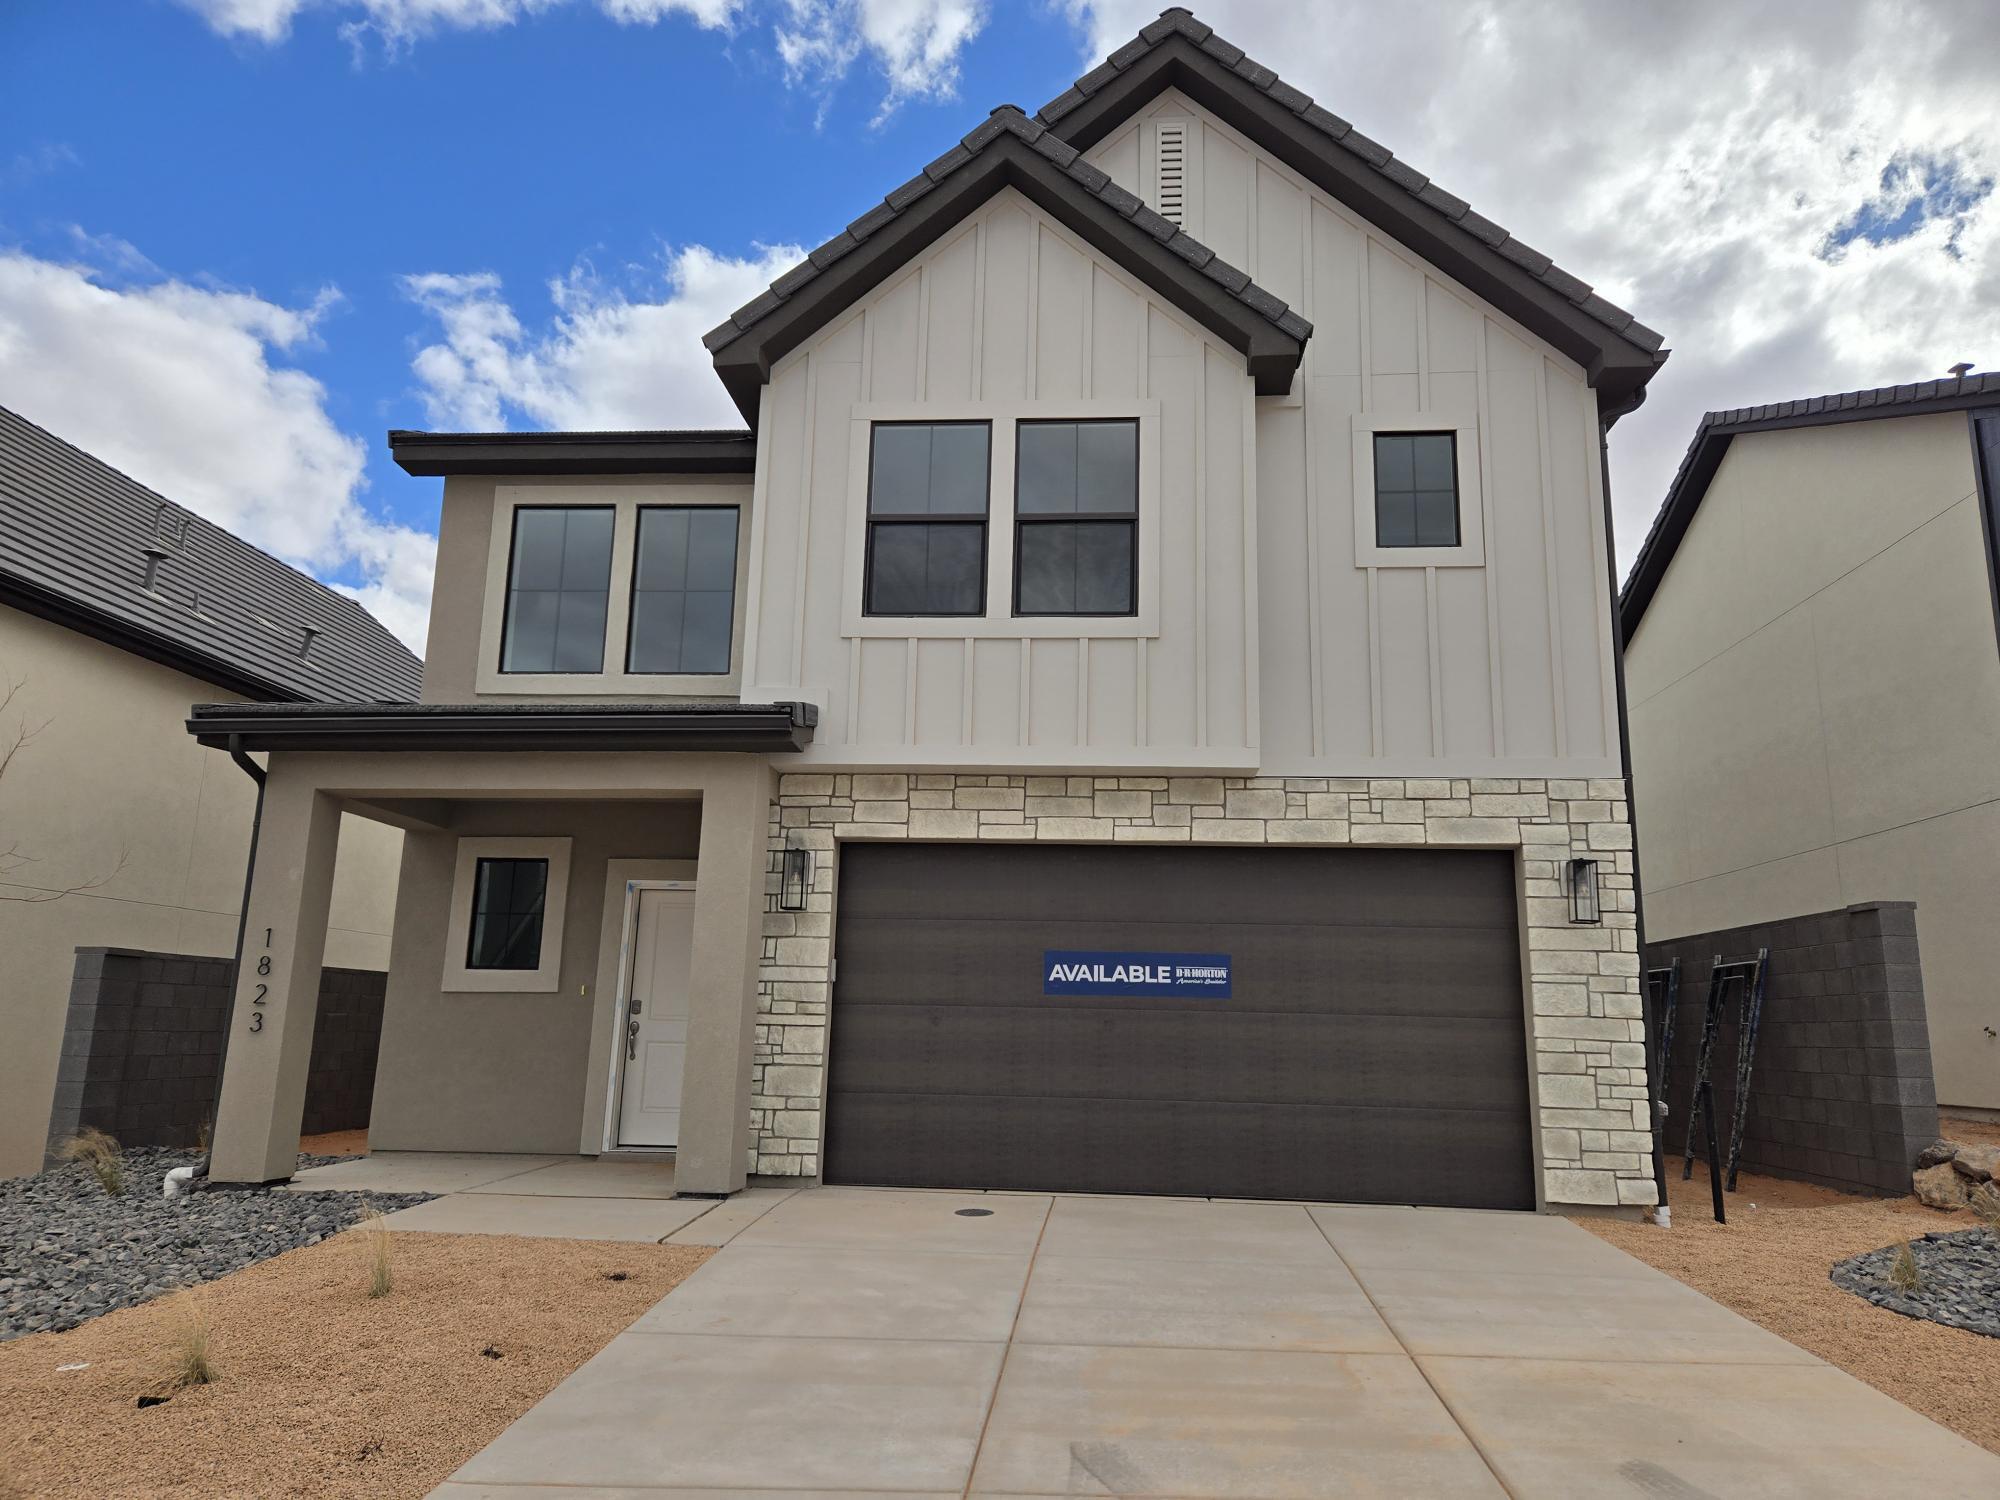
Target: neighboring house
(1121, 718)
(118, 609)
(1813, 665)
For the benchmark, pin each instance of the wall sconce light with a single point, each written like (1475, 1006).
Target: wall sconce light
(1583, 903)
(795, 878)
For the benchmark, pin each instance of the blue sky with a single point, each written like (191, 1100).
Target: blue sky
(239, 239)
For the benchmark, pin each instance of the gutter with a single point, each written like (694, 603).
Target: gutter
(182, 1179)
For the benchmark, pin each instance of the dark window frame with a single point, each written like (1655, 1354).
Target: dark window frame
(1126, 518)
(632, 593)
(984, 521)
(472, 930)
(1450, 434)
(507, 592)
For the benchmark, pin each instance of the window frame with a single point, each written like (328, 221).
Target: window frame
(1120, 518)
(632, 588)
(625, 499)
(479, 864)
(459, 976)
(507, 589)
(999, 622)
(1463, 428)
(924, 518)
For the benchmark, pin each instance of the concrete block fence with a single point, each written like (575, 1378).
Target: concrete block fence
(1585, 1024)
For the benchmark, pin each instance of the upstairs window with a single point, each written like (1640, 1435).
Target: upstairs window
(558, 589)
(927, 513)
(1076, 518)
(683, 589)
(509, 897)
(1416, 489)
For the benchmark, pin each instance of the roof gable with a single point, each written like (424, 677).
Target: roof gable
(1008, 150)
(1617, 353)
(76, 538)
(1711, 441)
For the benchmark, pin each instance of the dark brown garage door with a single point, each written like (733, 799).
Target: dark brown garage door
(1371, 1048)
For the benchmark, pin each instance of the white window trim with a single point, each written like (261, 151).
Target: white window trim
(625, 503)
(1471, 549)
(1000, 622)
(545, 979)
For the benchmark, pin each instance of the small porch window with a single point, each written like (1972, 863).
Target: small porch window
(508, 899)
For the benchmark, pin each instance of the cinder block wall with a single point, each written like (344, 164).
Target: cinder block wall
(142, 1047)
(1840, 1087)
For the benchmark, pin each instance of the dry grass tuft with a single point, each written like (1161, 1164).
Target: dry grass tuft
(375, 1239)
(189, 1334)
(1903, 1273)
(102, 1154)
(1985, 1206)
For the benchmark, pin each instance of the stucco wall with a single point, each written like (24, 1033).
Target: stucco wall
(112, 790)
(1815, 706)
(505, 1072)
(1497, 670)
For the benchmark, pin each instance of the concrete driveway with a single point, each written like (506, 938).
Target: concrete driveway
(906, 1343)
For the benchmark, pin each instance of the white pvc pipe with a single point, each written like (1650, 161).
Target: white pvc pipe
(179, 1181)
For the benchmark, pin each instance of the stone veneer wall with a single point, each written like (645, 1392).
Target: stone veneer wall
(1585, 1018)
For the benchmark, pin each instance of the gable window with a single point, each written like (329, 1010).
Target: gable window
(1076, 517)
(1416, 489)
(509, 897)
(927, 514)
(683, 589)
(558, 589)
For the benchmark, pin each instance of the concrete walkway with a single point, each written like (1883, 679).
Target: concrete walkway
(902, 1343)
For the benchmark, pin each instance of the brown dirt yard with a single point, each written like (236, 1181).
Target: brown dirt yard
(1770, 1264)
(321, 1390)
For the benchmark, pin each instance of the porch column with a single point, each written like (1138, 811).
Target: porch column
(277, 988)
(722, 1009)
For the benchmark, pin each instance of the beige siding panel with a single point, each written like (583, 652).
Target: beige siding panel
(940, 692)
(1052, 694)
(1346, 656)
(1514, 497)
(1226, 562)
(772, 626)
(1287, 653)
(895, 365)
(1006, 302)
(996, 693)
(1113, 701)
(1281, 244)
(1403, 623)
(1452, 330)
(1395, 295)
(1174, 671)
(951, 348)
(882, 691)
(1465, 679)
(1062, 316)
(1582, 620)
(1789, 887)
(1117, 338)
(1339, 249)
(1118, 157)
(822, 528)
(1221, 216)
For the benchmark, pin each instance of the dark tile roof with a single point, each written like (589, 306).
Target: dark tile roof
(1179, 22)
(1711, 440)
(1009, 121)
(74, 540)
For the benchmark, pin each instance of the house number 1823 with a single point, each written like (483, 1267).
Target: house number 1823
(263, 988)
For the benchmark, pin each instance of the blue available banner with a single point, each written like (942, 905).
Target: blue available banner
(1194, 976)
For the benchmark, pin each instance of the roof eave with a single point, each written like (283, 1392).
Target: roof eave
(429, 455)
(1615, 366)
(744, 363)
(770, 729)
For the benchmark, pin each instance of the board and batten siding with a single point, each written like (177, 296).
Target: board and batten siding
(1010, 314)
(1500, 669)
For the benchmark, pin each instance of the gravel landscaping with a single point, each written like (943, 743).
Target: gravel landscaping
(1958, 1280)
(70, 1252)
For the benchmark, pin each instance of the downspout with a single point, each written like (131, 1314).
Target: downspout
(181, 1179)
(1663, 1215)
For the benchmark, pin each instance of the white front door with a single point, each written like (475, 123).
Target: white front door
(654, 1027)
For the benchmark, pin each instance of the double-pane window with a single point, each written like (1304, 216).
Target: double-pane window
(1416, 489)
(927, 507)
(558, 590)
(683, 589)
(1076, 509)
(509, 897)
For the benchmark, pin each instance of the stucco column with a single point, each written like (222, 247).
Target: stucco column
(277, 987)
(722, 1002)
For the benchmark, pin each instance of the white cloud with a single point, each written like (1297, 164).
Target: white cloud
(401, 22)
(1691, 161)
(605, 359)
(183, 388)
(915, 44)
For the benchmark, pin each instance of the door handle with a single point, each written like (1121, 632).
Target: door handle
(632, 1039)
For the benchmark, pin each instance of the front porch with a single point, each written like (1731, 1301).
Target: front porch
(508, 1024)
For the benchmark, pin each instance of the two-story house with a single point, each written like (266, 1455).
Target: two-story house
(1815, 689)
(1135, 711)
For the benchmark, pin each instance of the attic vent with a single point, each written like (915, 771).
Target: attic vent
(1171, 190)
(154, 557)
(308, 634)
(170, 528)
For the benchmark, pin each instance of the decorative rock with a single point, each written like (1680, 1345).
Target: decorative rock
(1939, 1187)
(72, 1252)
(1937, 1153)
(1980, 1163)
(1958, 1279)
